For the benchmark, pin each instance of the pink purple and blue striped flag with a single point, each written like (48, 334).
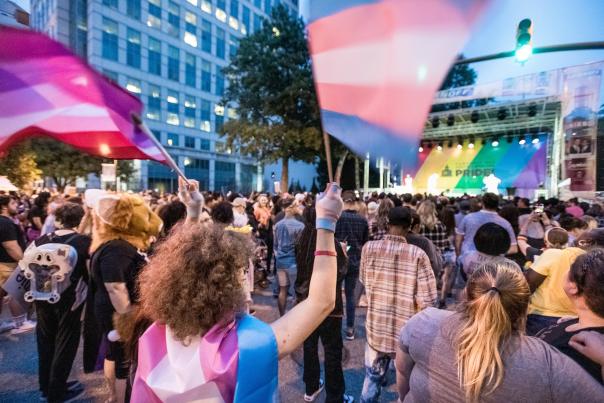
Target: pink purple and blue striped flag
(46, 90)
(378, 63)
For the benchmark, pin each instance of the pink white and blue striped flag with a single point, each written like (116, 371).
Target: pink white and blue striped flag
(46, 90)
(378, 63)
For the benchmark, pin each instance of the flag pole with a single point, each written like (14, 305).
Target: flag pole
(327, 144)
(171, 163)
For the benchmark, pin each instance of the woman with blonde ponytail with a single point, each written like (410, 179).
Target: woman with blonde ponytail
(480, 352)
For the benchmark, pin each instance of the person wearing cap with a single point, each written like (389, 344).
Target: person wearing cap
(353, 232)
(399, 282)
(286, 234)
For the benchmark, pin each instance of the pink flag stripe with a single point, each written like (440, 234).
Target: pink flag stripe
(342, 29)
(394, 108)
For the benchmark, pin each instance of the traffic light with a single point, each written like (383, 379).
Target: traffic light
(524, 40)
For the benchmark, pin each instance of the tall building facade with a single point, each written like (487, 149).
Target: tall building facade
(170, 54)
(12, 15)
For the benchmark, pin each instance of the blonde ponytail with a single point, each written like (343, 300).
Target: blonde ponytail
(497, 300)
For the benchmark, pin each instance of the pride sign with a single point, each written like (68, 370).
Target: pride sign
(463, 170)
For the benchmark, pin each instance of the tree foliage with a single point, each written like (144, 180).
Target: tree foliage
(459, 75)
(271, 87)
(19, 166)
(50, 158)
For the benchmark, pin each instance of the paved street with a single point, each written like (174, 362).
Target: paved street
(18, 366)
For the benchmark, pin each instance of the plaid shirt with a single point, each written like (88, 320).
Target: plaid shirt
(438, 236)
(399, 283)
(352, 229)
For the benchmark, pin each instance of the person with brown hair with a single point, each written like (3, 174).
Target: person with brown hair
(585, 287)
(200, 345)
(480, 352)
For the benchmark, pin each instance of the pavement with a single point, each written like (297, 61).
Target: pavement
(19, 363)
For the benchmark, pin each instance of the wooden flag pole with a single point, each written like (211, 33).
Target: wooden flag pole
(327, 144)
(171, 163)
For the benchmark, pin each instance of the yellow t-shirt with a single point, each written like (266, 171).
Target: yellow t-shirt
(550, 299)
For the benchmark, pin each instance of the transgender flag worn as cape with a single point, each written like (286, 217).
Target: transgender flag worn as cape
(46, 90)
(377, 65)
(233, 363)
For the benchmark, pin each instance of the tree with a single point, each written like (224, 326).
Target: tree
(272, 90)
(19, 165)
(459, 75)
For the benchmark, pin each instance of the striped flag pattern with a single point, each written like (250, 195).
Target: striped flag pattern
(46, 90)
(377, 65)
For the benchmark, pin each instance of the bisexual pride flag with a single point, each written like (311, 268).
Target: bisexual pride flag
(377, 65)
(47, 90)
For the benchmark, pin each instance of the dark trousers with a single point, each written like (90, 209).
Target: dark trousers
(58, 336)
(350, 285)
(330, 332)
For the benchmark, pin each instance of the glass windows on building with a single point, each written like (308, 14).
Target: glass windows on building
(192, 2)
(206, 6)
(206, 36)
(110, 35)
(247, 178)
(133, 48)
(173, 63)
(133, 86)
(133, 9)
(221, 10)
(218, 118)
(206, 76)
(257, 22)
(154, 17)
(154, 103)
(204, 144)
(219, 81)
(190, 108)
(173, 140)
(233, 46)
(220, 43)
(205, 111)
(110, 3)
(234, 17)
(268, 7)
(198, 170)
(245, 20)
(224, 178)
(189, 142)
(173, 19)
(79, 21)
(161, 177)
(190, 70)
(258, 4)
(154, 56)
(173, 109)
(190, 37)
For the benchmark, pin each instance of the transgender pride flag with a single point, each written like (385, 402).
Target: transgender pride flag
(46, 90)
(378, 63)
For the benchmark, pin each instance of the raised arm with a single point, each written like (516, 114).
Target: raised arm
(296, 325)
(190, 196)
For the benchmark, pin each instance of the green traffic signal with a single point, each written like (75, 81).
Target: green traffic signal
(524, 39)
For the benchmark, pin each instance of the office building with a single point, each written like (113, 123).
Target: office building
(12, 15)
(170, 54)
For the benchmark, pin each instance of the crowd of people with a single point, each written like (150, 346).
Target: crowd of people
(472, 298)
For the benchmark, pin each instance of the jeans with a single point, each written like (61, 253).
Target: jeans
(536, 323)
(376, 369)
(58, 337)
(330, 333)
(350, 284)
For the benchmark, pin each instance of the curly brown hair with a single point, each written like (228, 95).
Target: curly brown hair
(195, 279)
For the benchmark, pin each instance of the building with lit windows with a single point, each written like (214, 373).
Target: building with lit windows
(170, 54)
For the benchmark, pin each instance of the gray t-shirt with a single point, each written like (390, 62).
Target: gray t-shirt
(534, 371)
(473, 221)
